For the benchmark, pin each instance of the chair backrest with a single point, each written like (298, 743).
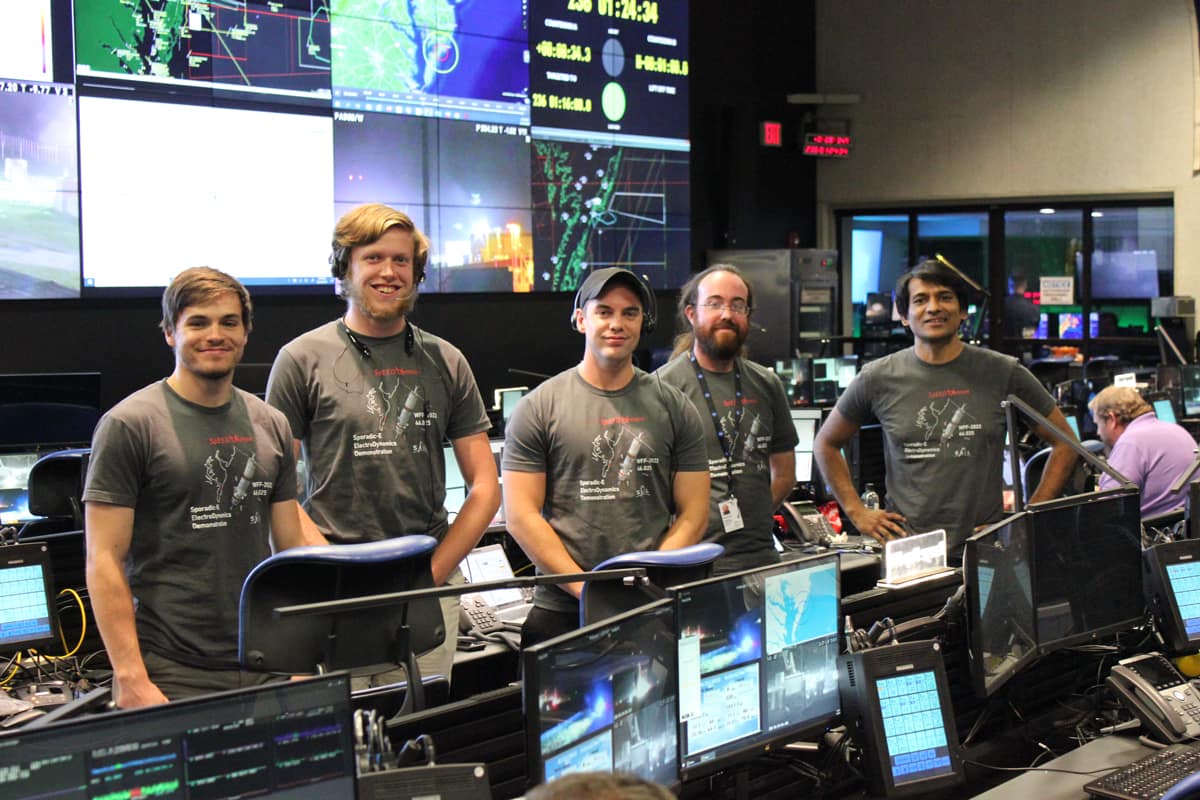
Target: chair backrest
(363, 641)
(664, 568)
(56, 491)
(1079, 481)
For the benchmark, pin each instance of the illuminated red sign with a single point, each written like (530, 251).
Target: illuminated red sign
(772, 134)
(826, 145)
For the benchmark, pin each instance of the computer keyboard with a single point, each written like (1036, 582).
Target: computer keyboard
(1148, 778)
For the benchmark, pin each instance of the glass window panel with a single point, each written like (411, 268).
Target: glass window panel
(962, 239)
(1134, 253)
(1042, 243)
(877, 248)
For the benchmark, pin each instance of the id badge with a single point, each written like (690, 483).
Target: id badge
(731, 515)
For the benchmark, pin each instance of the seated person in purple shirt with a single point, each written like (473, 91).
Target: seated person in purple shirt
(1146, 450)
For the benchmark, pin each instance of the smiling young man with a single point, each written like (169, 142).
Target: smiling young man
(603, 458)
(751, 440)
(939, 404)
(370, 398)
(189, 482)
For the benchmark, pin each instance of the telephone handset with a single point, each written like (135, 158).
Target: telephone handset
(813, 528)
(1151, 687)
(476, 616)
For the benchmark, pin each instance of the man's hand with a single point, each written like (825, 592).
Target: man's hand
(136, 694)
(880, 525)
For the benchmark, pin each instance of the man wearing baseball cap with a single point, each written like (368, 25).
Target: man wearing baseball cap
(603, 458)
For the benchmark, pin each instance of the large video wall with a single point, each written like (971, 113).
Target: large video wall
(532, 140)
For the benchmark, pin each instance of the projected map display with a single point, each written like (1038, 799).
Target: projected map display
(532, 141)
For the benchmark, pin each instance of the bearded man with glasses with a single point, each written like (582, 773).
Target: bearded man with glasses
(749, 434)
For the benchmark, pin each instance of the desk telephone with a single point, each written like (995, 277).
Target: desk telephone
(813, 528)
(476, 616)
(1166, 703)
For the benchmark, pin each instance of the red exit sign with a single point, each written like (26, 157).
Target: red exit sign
(826, 145)
(771, 134)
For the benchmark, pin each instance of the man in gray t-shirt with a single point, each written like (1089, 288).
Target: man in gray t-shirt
(189, 482)
(938, 403)
(601, 459)
(371, 398)
(748, 429)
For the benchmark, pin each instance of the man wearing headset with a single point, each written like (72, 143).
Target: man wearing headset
(603, 458)
(370, 399)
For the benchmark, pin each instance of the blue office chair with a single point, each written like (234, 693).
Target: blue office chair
(366, 641)
(1079, 480)
(664, 568)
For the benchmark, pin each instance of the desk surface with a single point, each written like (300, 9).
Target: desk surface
(1099, 754)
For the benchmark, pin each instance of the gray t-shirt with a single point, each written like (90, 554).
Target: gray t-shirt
(610, 458)
(201, 482)
(943, 429)
(372, 428)
(765, 429)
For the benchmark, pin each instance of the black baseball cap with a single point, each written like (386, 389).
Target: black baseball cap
(598, 282)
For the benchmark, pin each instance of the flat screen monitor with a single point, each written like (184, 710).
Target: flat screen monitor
(14, 487)
(757, 660)
(490, 563)
(603, 698)
(1043, 326)
(456, 485)
(1189, 389)
(1172, 572)
(1164, 410)
(1073, 421)
(507, 398)
(1086, 566)
(1000, 624)
(75, 388)
(28, 613)
(805, 421)
(290, 740)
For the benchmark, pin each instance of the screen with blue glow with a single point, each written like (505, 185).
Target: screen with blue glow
(1185, 584)
(1164, 410)
(757, 658)
(603, 698)
(912, 723)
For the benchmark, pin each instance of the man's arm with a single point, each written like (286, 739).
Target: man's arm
(309, 531)
(524, 494)
(835, 433)
(690, 491)
(1061, 462)
(109, 533)
(783, 476)
(478, 467)
(286, 531)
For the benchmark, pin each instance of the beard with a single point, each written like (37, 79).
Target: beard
(380, 313)
(721, 348)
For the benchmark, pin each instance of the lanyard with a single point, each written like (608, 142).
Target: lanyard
(726, 447)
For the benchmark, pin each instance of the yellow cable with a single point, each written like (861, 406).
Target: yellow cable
(16, 666)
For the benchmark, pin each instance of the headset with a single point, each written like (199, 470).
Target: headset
(339, 260)
(649, 313)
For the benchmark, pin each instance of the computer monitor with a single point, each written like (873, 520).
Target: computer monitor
(1059, 574)
(28, 612)
(490, 563)
(1086, 558)
(1164, 410)
(456, 485)
(506, 399)
(1189, 389)
(291, 740)
(805, 421)
(757, 660)
(1073, 421)
(14, 487)
(1000, 624)
(1172, 580)
(603, 698)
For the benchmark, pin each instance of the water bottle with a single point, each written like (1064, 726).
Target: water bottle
(870, 497)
